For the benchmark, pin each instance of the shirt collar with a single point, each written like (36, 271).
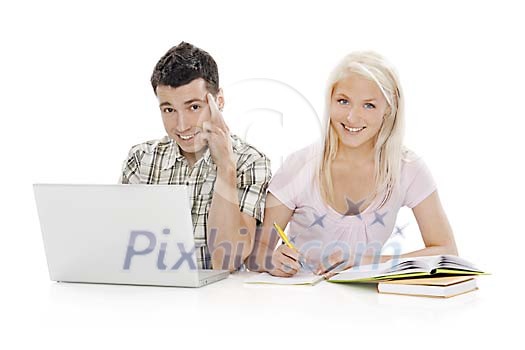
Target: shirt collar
(174, 153)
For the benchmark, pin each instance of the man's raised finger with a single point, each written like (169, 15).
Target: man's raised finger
(216, 115)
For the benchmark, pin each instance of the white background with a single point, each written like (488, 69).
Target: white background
(75, 95)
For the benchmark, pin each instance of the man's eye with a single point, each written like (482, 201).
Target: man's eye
(194, 107)
(168, 110)
(342, 101)
(369, 106)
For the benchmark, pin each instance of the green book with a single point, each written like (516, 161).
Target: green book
(424, 266)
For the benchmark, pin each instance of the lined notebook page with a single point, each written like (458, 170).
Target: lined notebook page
(305, 278)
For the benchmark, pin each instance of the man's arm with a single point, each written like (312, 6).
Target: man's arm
(230, 231)
(232, 221)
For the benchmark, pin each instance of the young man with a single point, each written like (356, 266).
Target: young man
(228, 178)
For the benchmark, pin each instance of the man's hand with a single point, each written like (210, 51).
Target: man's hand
(217, 134)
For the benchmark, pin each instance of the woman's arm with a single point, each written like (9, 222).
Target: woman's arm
(265, 238)
(435, 230)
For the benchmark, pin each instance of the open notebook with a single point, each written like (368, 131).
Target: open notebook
(428, 266)
(424, 266)
(305, 276)
(301, 278)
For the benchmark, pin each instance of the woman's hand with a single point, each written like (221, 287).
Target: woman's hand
(336, 262)
(285, 262)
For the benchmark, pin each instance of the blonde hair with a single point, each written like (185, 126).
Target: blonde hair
(388, 148)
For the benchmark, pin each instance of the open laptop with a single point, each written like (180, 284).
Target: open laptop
(120, 234)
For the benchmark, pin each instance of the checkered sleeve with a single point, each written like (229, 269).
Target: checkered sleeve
(130, 168)
(252, 183)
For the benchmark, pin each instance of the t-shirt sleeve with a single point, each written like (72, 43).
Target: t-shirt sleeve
(252, 184)
(420, 183)
(291, 179)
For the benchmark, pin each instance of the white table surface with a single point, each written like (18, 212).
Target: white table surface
(239, 315)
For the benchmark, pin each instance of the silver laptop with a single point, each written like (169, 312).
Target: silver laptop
(120, 234)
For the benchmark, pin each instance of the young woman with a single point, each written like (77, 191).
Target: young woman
(340, 197)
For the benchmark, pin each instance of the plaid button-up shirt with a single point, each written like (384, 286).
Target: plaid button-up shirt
(161, 162)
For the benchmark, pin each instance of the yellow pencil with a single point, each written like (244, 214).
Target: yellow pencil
(290, 245)
(283, 236)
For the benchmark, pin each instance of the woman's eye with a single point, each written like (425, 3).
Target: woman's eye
(168, 110)
(342, 101)
(369, 106)
(194, 107)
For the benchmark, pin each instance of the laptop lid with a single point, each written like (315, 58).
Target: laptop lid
(123, 234)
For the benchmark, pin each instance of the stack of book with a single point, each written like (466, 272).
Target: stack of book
(439, 287)
(436, 276)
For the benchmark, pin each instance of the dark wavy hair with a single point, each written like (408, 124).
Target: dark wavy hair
(184, 63)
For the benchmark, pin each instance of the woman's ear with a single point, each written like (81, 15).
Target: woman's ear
(388, 111)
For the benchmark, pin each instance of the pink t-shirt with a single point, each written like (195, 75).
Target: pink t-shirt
(317, 229)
